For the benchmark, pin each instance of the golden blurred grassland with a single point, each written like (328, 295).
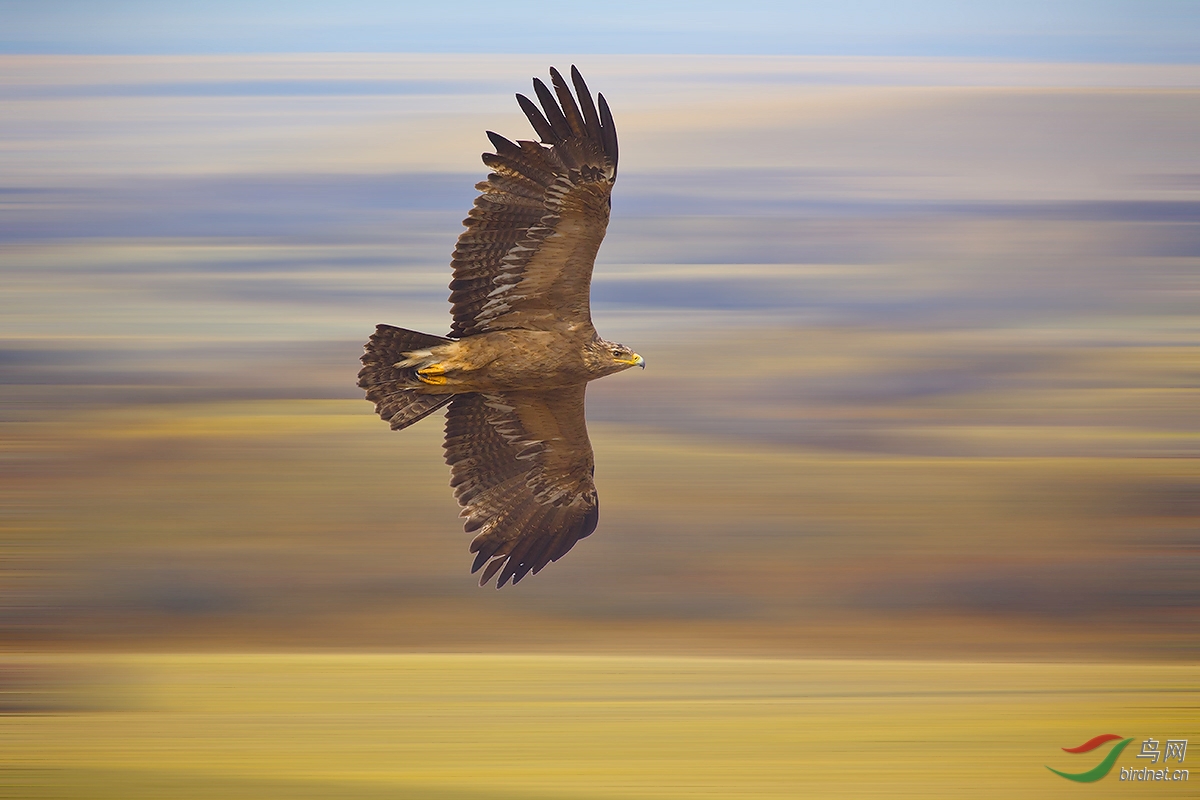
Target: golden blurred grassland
(444, 726)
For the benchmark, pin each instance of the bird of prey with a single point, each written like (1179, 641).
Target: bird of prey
(522, 347)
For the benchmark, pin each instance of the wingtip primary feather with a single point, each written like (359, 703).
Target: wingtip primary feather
(609, 131)
(534, 115)
(491, 570)
(569, 108)
(554, 114)
(563, 115)
(502, 144)
(586, 106)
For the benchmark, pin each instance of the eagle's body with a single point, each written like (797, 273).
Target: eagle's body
(522, 346)
(512, 360)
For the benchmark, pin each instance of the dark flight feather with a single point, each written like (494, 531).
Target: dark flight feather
(535, 188)
(569, 109)
(394, 391)
(591, 120)
(554, 115)
(544, 130)
(499, 490)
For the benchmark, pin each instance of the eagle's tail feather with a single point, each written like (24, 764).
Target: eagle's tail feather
(395, 390)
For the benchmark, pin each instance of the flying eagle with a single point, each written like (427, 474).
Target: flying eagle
(522, 346)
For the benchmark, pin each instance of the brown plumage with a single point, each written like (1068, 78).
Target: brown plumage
(522, 347)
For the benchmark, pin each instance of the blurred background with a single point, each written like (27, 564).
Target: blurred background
(917, 291)
(906, 501)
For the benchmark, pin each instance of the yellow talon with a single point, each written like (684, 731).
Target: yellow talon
(432, 375)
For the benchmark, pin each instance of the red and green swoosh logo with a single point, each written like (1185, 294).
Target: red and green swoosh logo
(1100, 770)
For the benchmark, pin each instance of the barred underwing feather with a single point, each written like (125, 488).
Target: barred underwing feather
(534, 191)
(521, 467)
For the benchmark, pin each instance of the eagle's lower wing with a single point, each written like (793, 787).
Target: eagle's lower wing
(525, 260)
(521, 467)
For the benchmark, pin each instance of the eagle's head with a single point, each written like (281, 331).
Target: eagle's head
(605, 358)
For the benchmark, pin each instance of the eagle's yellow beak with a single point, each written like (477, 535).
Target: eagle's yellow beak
(636, 361)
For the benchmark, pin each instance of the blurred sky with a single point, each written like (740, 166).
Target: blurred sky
(1075, 30)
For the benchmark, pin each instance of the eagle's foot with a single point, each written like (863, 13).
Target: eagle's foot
(434, 375)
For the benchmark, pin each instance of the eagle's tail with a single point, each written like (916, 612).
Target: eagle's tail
(395, 390)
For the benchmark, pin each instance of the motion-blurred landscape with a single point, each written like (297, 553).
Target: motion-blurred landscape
(906, 501)
(922, 342)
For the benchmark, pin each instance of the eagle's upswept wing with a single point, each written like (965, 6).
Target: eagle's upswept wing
(521, 467)
(525, 260)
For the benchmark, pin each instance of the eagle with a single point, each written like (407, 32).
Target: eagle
(521, 349)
